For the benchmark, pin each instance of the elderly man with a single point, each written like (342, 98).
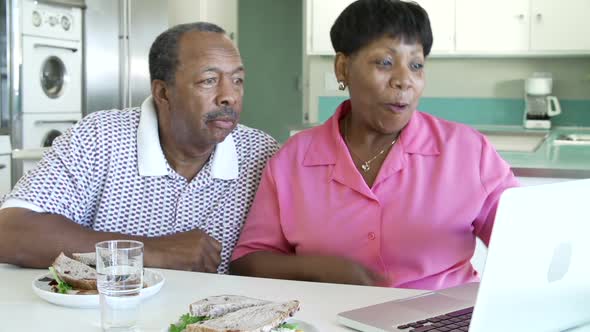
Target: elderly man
(178, 173)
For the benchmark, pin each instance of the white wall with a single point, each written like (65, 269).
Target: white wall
(221, 12)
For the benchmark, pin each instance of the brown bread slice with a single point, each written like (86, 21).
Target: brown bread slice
(88, 258)
(78, 275)
(215, 306)
(261, 318)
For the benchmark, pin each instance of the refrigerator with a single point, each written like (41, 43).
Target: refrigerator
(117, 39)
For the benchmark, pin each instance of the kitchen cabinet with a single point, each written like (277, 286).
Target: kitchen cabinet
(499, 26)
(321, 15)
(442, 22)
(560, 25)
(479, 27)
(522, 27)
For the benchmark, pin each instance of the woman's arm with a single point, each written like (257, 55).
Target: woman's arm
(308, 268)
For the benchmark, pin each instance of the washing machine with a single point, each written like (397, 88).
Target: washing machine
(51, 81)
(52, 58)
(41, 131)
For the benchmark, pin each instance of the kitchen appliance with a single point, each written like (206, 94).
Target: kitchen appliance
(118, 35)
(51, 82)
(5, 96)
(540, 106)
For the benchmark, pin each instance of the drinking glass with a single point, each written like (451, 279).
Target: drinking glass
(119, 264)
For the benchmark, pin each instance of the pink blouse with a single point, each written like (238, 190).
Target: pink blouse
(437, 189)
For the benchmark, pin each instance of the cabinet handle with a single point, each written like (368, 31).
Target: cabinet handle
(539, 16)
(2, 166)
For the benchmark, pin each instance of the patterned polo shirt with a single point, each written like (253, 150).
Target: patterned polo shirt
(109, 173)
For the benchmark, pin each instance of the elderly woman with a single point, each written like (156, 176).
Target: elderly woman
(380, 194)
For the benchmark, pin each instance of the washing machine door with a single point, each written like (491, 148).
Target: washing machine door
(39, 130)
(52, 75)
(49, 137)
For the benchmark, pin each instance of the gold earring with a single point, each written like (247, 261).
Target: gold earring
(341, 86)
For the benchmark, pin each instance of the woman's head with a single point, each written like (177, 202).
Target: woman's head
(380, 48)
(363, 21)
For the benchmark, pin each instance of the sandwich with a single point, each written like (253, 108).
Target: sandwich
(72, 276)
(234, 313)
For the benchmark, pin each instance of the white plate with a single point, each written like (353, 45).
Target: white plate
(153, 279)
(305, 327)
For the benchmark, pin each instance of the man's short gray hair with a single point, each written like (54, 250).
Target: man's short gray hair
(163, 58)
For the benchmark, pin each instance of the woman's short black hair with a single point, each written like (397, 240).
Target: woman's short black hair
(364, 21)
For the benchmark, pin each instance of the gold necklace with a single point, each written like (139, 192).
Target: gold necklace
(366, 166)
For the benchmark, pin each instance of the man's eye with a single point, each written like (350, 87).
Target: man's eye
(238, 80)
(210, 81)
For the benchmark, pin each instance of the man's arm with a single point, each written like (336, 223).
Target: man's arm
(32, 239)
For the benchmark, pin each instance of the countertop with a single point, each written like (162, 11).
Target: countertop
(22, 310)
(548, 161)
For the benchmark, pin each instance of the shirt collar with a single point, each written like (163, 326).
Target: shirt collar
(415, 138)
(150, 157)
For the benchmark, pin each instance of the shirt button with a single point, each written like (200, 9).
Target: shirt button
(371, 236)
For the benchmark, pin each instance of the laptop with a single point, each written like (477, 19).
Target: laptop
(536, 276)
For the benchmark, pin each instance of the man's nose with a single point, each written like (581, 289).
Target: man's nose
(228, 93)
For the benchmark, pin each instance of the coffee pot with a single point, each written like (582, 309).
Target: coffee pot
(540, 106)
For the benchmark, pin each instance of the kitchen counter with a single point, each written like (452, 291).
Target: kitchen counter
(548, 161)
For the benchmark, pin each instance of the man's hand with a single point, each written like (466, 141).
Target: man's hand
(193, 251)
(342, 271)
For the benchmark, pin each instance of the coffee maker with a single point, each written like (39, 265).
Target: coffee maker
(540, 106)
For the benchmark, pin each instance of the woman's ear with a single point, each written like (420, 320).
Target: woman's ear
(341, 68)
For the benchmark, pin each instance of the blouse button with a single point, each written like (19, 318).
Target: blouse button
(371, 236)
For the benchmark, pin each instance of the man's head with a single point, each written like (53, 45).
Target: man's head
(197, 84)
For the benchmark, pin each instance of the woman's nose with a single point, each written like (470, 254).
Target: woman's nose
(401, 78)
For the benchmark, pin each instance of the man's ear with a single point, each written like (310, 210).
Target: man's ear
(341, 68)
(160, 93)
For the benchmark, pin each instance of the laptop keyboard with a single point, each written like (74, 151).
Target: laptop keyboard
(455, 321)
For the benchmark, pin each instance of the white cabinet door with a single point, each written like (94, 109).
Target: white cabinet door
(560, 25)
(484, 26)
(442, 22)
(321, 16)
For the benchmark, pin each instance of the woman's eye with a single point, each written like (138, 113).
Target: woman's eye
(385, 63)
(416, 66)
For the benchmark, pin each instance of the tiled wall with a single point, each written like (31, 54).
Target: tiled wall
(474, 90)
(479, 111)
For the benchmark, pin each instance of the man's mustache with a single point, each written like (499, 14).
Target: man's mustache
(223, 113)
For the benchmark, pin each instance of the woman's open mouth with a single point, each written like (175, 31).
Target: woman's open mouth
(398, 107)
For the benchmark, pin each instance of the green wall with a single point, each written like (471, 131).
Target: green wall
(270, 41)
